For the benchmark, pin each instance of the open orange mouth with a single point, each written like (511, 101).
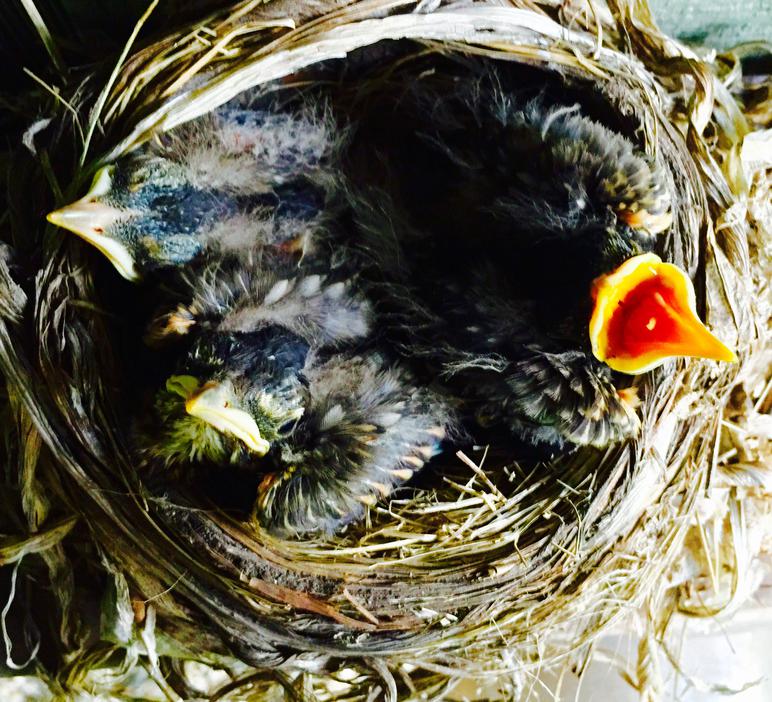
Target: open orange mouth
(645, 313)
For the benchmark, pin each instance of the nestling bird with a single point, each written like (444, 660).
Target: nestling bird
(367, 429)
(240, 385)
(262, 386)
(270, 382)
(237, 178)
(526, 227)
(551, 170)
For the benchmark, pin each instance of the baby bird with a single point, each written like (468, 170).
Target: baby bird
(514, 362)
(240, 385)
(544, 283)
(263, 386)
(367, 429)
(238, 178)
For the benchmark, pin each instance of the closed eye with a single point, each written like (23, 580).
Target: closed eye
(288, 427)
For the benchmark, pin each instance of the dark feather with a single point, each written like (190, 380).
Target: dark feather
(367, 429)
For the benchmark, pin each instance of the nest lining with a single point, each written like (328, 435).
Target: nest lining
(491, 568)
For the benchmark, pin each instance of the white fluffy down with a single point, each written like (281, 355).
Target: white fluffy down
(248, 152)
(253, 296)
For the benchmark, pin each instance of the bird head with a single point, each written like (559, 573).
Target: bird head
(141, 213)
(645, 313)
(234, 396)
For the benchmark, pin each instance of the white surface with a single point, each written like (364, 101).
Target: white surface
(715, 659)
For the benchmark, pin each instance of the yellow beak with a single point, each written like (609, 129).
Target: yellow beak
(89, 218)
(210, 404)
(645, 313)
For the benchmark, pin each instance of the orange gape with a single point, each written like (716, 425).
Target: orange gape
(645, 313)
(647, 319)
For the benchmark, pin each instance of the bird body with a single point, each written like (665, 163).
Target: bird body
(277, 379)
(237, 179)
(271, 382)
(552, 170)
(516, 362)
(252, 333)
(252, 149)
(530, 204)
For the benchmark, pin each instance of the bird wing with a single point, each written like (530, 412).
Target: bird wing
(235, 295)
(367, 430)
(559, 398)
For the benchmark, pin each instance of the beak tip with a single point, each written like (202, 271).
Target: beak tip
(730, 357)
(716, 350)
(132, 276)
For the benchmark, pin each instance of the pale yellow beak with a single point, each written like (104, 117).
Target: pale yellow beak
(89, 218)
(210, 404)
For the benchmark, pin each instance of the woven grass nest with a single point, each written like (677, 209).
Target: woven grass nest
(496, 567)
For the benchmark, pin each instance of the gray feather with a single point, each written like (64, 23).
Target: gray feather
(367, 429)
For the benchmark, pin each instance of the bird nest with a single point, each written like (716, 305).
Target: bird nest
(494, 564)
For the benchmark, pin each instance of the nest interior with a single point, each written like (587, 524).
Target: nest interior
(494, 561)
